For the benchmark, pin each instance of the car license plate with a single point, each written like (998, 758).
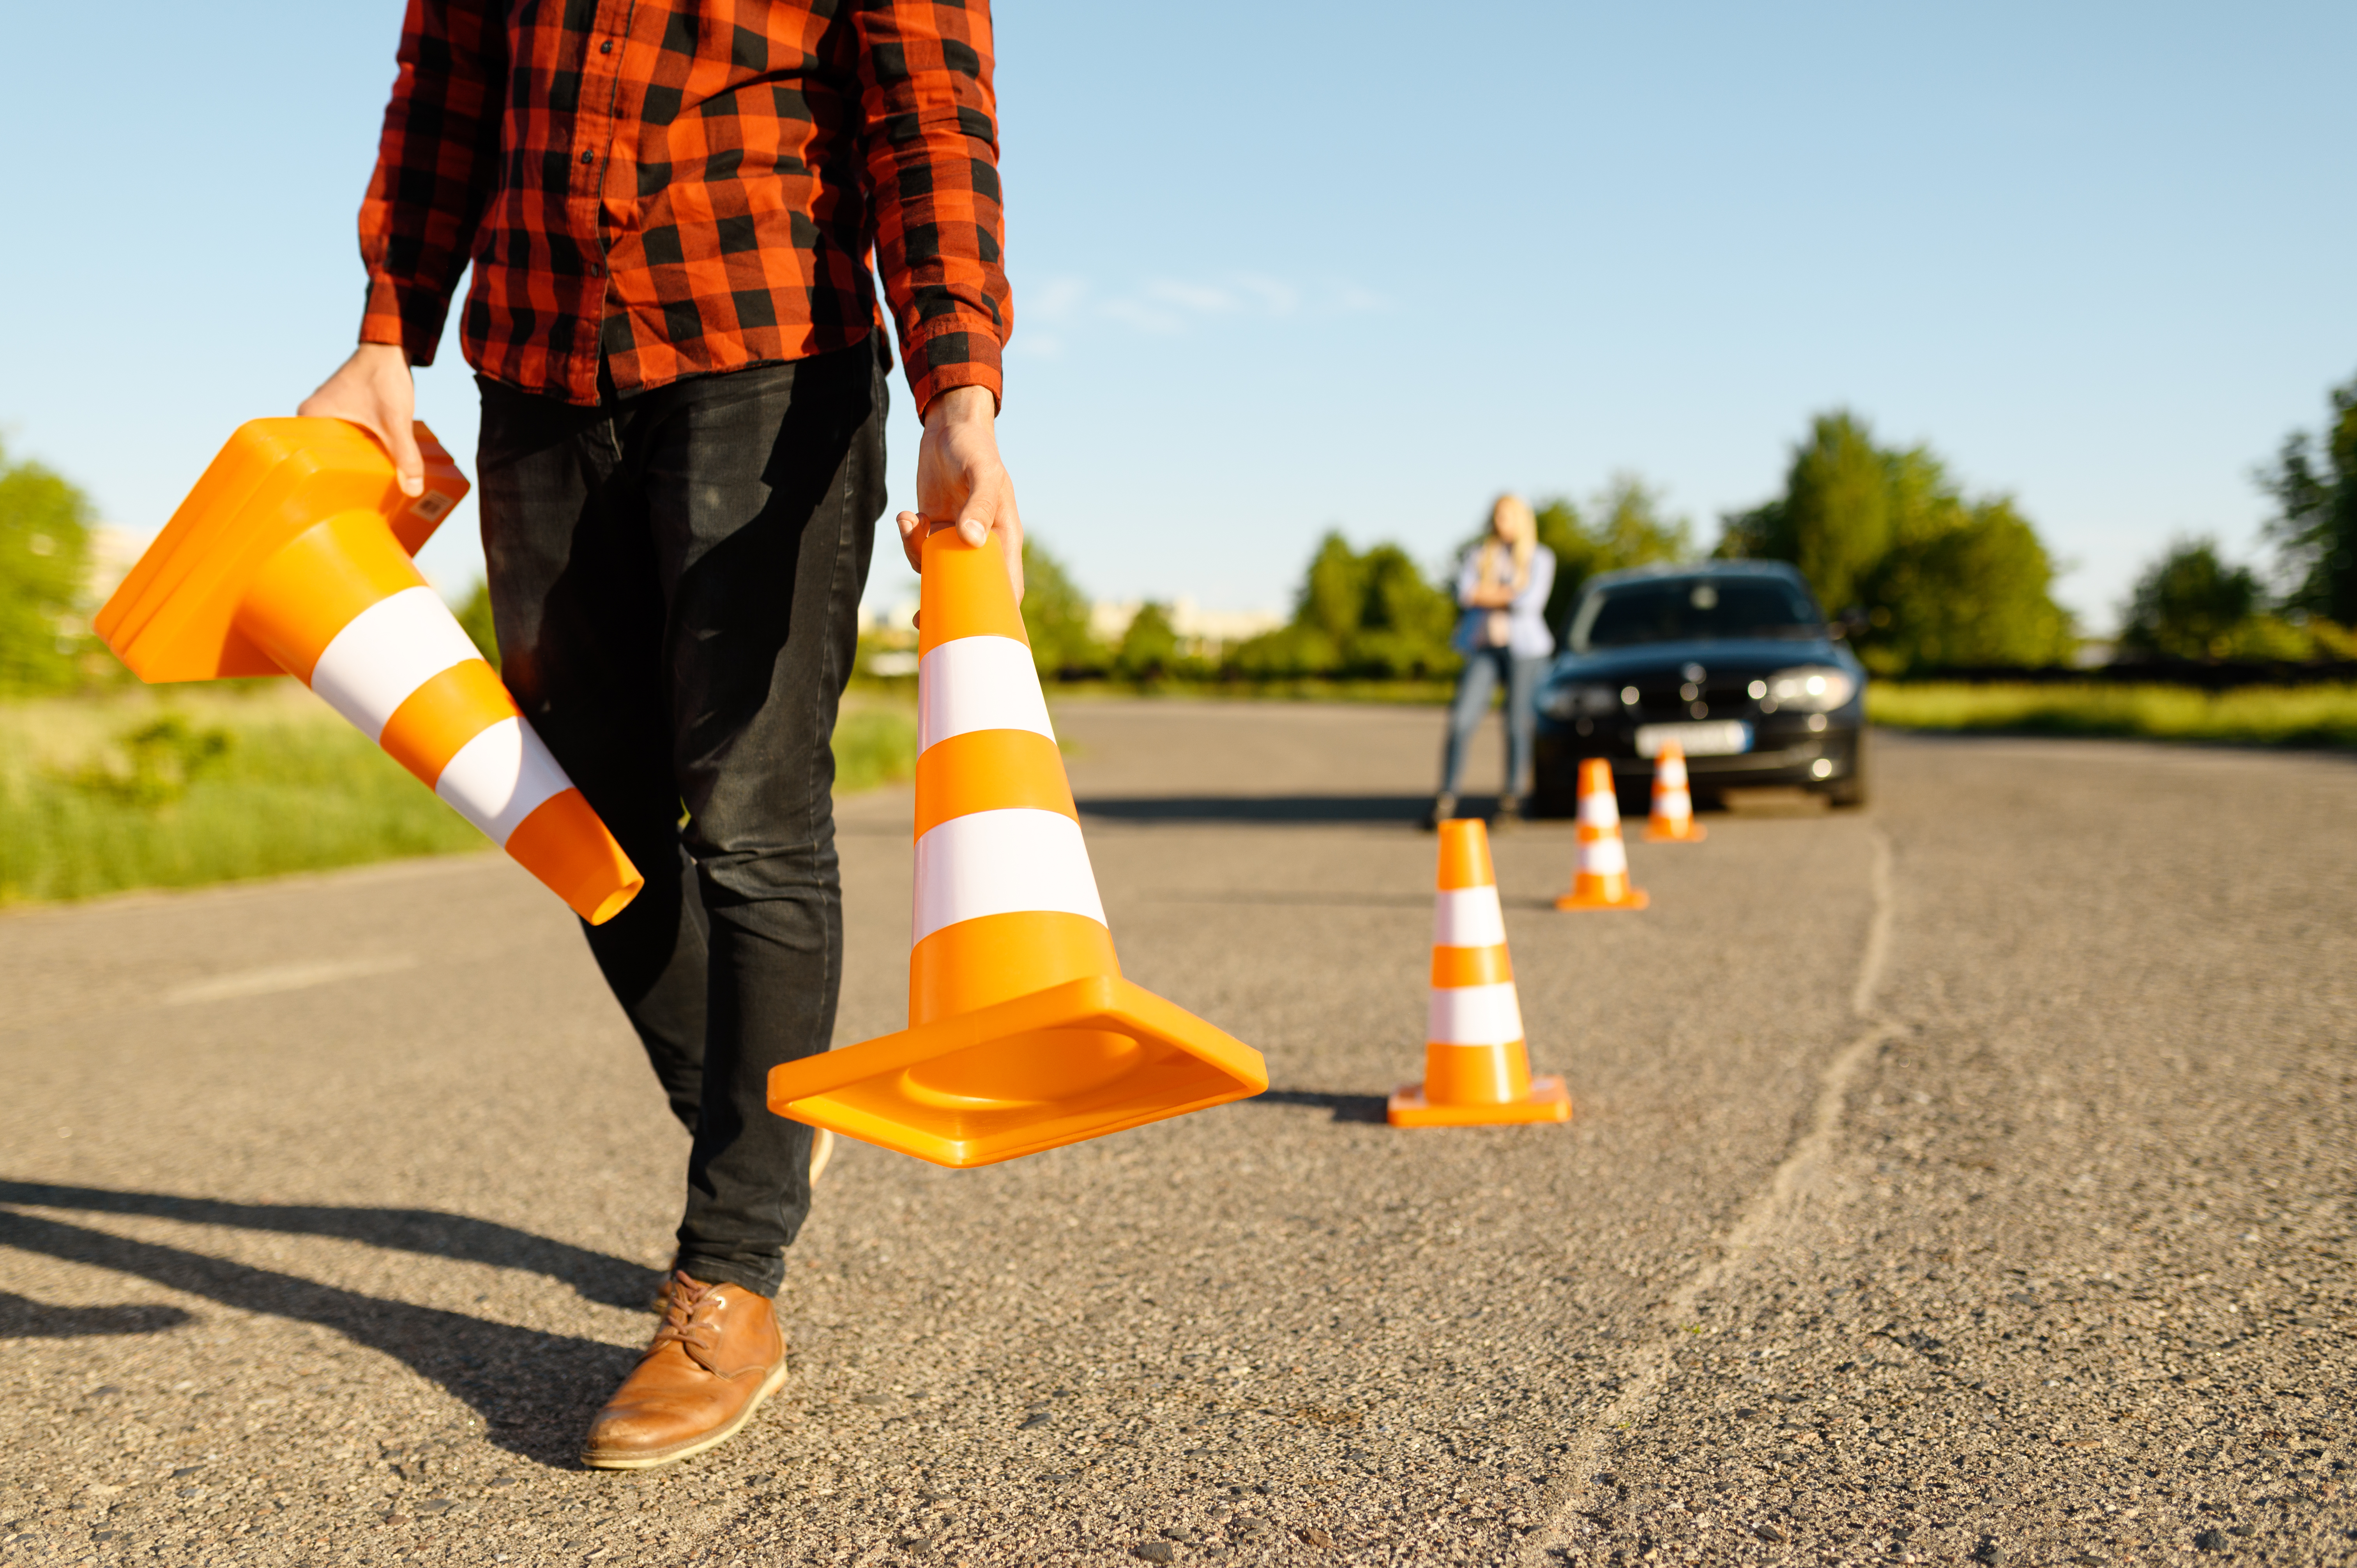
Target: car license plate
(1707, 738)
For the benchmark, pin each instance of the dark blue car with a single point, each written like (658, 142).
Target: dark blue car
(1733, 659)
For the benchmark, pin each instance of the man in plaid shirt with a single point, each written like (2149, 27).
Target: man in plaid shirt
(670, 206)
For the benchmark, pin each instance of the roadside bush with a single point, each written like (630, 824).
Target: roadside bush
(44, 562)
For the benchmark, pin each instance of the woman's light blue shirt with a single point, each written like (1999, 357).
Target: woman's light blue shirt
(1526, 635)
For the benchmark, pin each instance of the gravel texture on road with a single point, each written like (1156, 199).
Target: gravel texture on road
(1965, 1179)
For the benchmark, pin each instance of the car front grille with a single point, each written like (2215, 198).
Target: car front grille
(1660, 701)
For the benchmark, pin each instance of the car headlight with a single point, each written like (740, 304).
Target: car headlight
(1581, 701)
(1810, 689)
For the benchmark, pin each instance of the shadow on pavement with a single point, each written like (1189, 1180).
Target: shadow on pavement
(609, 1281)
(535, 1392)
(1346, 1107)
(21, 1317)
(1407, 809)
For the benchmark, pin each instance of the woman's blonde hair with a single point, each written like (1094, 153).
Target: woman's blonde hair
(1511, 520)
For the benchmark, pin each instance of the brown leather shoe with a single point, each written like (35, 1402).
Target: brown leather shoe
(716, 1356)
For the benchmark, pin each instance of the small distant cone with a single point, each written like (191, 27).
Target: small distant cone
(1600, 878)
(1673, 819)
(1477, 1071)
(292, 555)
(1022, 1033)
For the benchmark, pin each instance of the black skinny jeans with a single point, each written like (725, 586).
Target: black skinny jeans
(676, 578)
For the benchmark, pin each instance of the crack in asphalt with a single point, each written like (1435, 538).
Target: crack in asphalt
(1775, 1207)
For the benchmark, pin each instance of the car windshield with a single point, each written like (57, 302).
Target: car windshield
(1683, 609)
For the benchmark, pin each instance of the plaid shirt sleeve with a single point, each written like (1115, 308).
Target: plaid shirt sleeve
(437, 163)
(930, 142)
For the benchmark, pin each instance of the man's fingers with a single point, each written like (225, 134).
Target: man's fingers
(408, 462)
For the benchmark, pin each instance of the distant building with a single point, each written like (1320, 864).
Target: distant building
(1202, 634)
(114, 551)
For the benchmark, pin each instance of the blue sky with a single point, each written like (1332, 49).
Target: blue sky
(1294, 266)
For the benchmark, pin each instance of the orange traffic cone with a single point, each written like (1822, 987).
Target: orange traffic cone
(1600, 878)
(292, 555)
(1022, 1034)
(1476, 1069)
(1672, 818)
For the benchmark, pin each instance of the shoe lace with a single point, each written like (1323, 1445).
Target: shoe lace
(690, 1321)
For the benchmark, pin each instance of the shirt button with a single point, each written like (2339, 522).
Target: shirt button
(607, 47)
(588, 157)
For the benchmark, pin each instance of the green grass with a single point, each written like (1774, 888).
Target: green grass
(181, 788)
(874, 743)
(2249, 716)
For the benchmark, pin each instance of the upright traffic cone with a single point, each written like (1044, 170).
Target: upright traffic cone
(1672, 821)
(1600, 878)
(1022, 1033)
(292, 555)
(1477, 1071)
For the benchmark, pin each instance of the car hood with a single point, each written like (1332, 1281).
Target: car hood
(1751, 655)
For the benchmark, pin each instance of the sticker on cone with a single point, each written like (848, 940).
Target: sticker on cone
(1672, 821)
(1599, 878)
(292, 555)
(1477, 1070)
(1022, 1034)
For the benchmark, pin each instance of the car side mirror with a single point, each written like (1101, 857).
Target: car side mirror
(1852, 622)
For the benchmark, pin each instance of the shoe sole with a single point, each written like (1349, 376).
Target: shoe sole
(770, 1385)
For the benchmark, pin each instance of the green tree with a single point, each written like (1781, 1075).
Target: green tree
(2314, 485)
(1628, 528)
(1978, 591)
(1942, 579)
(1150, 648)
(44, 566)
(1056, 616)
(2190, 604)
(1834, 521)
(1374, 614)
(1404, 620)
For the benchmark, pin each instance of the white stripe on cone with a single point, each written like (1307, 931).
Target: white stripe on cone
(386, 652)
(1606, 856)
(1468, 918)
(502, 776)
(978, 683)
(1600, 809)
(1002, 863)
(1676, 803)
(1474, 1016)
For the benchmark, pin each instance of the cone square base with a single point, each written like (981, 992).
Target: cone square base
(1693, 834)
(1071, 1062)
(1548, 1100)
(1635, 899)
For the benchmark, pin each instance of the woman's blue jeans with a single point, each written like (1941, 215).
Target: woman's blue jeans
(1484, 668)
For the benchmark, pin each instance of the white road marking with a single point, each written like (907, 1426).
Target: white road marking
(274, 977)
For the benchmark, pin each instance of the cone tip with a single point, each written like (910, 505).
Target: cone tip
(1465, 854)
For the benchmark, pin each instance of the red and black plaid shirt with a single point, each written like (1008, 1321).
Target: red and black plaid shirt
(689, 186)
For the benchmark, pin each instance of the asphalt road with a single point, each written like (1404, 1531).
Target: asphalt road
(1964, 1179)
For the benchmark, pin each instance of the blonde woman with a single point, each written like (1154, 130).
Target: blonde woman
(1502, 590)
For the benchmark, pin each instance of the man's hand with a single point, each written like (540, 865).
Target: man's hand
(961, 483)
(373, 389)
